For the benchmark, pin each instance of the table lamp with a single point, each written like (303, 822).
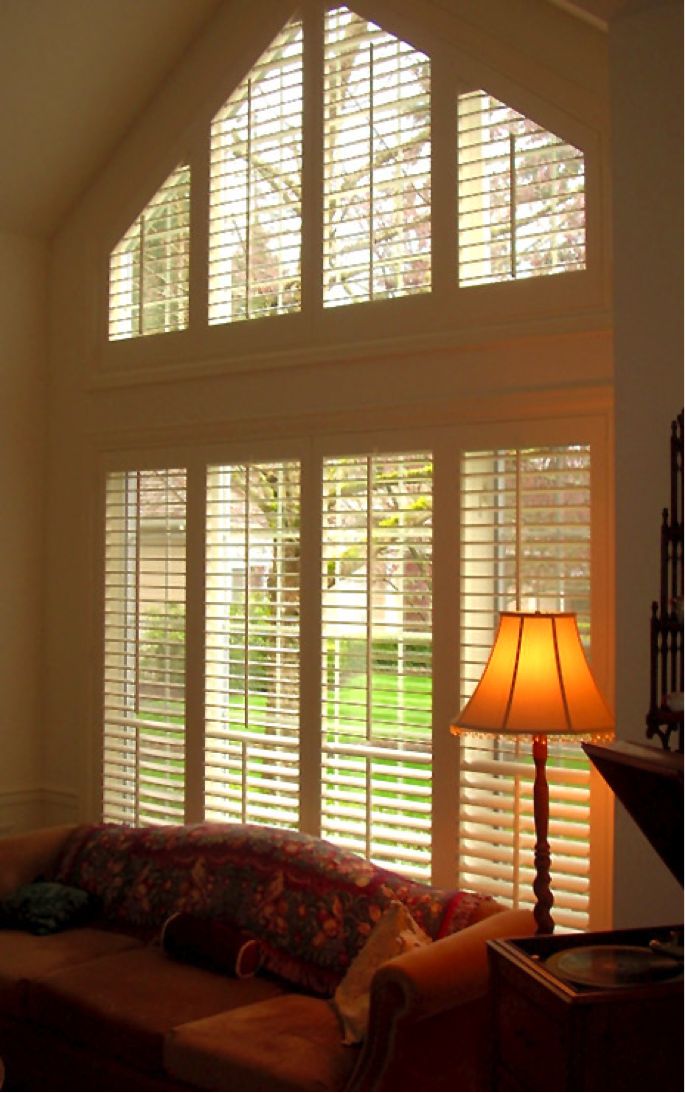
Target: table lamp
(538, 683)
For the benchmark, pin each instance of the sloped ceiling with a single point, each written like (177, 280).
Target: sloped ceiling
(73, 76)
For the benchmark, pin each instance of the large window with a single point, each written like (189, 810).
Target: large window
(346, 179)
(341, 739)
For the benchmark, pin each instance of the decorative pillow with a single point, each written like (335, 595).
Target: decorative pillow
(45, 907)
(210, 943)
(395, 933)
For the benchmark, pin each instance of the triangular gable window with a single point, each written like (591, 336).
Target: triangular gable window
(148, 268)
(365, 148)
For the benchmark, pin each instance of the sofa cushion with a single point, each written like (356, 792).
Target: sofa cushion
(311, 904)
(24, 957)
(292, 1042)
(123, 1005)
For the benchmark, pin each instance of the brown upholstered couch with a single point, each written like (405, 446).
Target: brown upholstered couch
(101, 1006)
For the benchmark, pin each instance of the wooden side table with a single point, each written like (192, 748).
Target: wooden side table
(551, 1034)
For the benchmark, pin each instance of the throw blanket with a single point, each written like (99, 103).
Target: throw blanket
(311, 904)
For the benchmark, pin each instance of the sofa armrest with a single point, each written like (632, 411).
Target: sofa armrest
(27, 856)
(440, 985)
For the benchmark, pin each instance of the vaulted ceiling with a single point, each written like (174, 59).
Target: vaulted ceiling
(73, 76)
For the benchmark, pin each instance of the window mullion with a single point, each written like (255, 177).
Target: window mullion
(312, 162)
(443, 181)
(310, 642)
(445, 658)
(195, 643)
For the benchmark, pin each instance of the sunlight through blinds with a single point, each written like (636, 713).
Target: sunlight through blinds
(376, 658)
(255, 213)
(521, 196)
(149, 267)
(377, 163)
(525, 545)
(144, 656)
(253, 644)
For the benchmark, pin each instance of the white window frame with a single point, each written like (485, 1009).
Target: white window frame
(447, 442)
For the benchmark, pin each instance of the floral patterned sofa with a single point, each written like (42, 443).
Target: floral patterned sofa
(98, 1003)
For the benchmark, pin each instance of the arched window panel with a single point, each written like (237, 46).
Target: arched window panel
(521, 196)
(148, 268)
(255, 213)
(377, 161)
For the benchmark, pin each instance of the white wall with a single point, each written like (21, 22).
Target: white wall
(646, 45)
(23, 405)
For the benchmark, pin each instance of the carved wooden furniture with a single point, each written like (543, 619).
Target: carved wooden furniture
(665, 714)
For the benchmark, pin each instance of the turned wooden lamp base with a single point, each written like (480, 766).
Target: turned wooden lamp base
(541, 884)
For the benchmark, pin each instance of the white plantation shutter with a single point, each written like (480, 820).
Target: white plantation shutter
(144, 656)
(252, 735)
(521, 196)
(376, 632)
(525, 545)
(376, 163)
(148, 268)
(256, 189)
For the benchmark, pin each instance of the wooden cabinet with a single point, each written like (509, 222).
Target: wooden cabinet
(549, 1034)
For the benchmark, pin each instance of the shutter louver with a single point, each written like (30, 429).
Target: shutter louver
(521, 196)
(144, 705)
(525, 545)
(255, 214)
(377, 226)
(252, 644)
(149, 267)
(376, 634)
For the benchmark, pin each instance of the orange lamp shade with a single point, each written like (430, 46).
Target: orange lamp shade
(537, 682)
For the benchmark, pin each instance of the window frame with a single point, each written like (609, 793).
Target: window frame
(315, 440)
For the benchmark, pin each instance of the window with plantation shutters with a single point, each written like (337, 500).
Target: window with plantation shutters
(148, 268)
(525, 545)
(255, 209)
(252, 653)
(376, 163)
(144, 652)
(376, 658)
(521, 195)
